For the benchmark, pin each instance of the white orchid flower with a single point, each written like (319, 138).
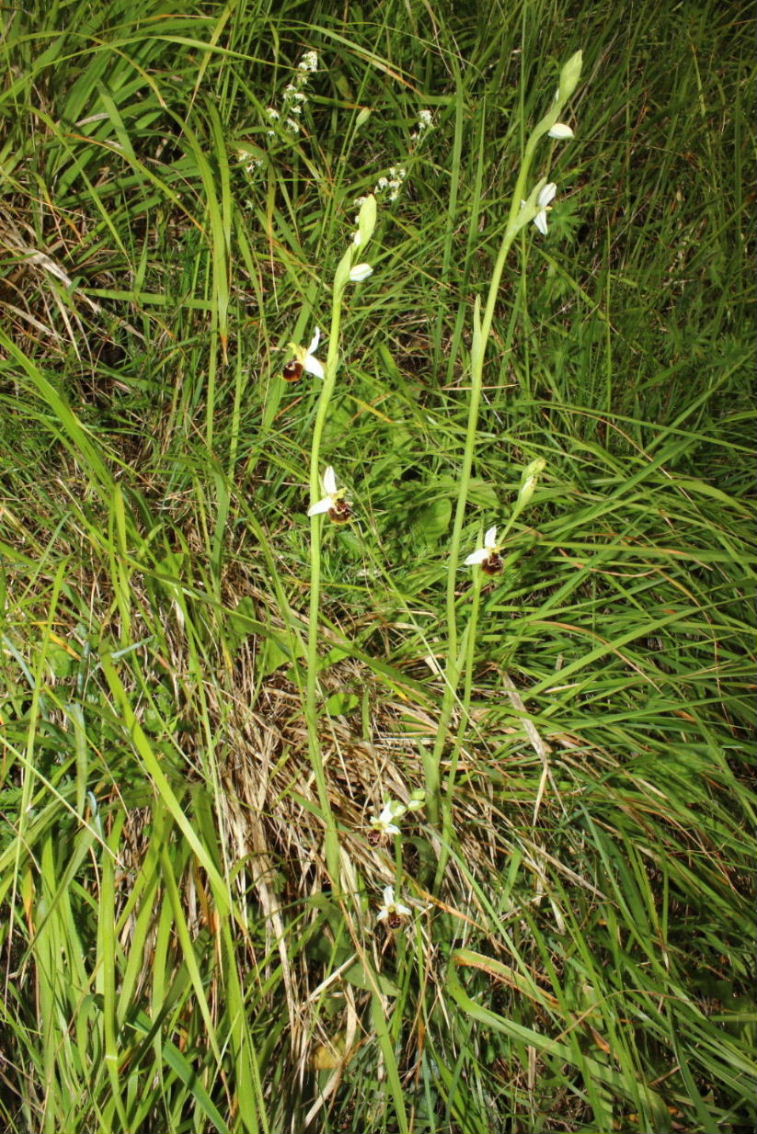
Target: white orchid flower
(338, 509)
(543, 201)
(484, 553)
(487, 557)
(331, 498)
(384, 824)
(392, 911)
(561, 130)
(304, 360)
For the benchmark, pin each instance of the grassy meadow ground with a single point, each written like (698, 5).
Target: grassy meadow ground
(207, 699)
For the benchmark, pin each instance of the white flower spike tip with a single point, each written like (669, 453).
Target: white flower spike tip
(487, 557)
(543, 201)
(392, 911)
(333, 502)
(309, 61)
(304, 360)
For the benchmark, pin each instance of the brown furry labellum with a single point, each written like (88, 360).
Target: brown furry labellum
(493, 565)
(394, 920)
(341, 512)
(292, 372)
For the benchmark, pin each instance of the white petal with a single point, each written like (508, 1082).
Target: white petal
(329, 481)
(322, 506)
(479, 556)
(560, 130)
(389, 895)
(547, 194)
(360, 272)
(315, 341)
(540, 220)
(390, 829)
(400, 909)
(383, 912)
(313, 366)
(490, 539)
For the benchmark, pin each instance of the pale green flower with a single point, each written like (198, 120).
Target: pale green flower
(529, 480)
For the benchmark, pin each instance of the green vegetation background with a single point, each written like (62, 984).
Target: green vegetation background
(174, 954)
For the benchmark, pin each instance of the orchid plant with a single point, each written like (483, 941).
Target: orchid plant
(349, 271)
(535, 208)
(523, 210)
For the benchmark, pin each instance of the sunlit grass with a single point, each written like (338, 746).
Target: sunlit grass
(177, 951)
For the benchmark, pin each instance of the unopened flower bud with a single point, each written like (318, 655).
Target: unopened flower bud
(529, 481)
(570, 75)
(560, 130)
(360, 272)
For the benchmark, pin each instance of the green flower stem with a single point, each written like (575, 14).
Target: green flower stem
(366, 223)
(520, 215)
(316, 524)
(481, 333)
(468, 653)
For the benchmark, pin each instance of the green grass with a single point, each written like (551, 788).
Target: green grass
(189, 892)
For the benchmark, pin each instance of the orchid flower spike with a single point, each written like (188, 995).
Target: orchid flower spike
(543, 201)
(487, 557)
(304, 360)
(333, 502)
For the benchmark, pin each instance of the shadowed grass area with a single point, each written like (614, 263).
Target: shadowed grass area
(193, 861)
